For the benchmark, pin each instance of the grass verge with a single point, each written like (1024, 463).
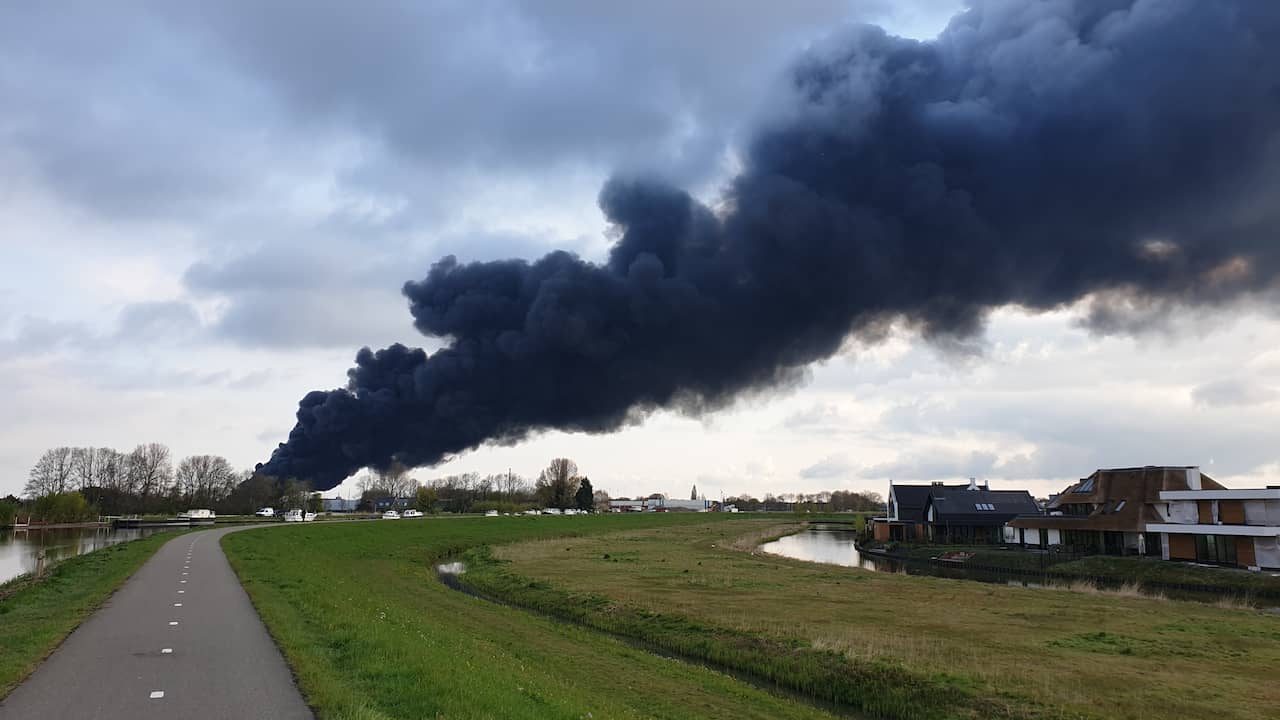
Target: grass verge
(1030, 652)
(371, 633)
(36, 614)
(876, 687)
(1153, 573)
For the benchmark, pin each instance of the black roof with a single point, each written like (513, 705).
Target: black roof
(983, 507)
(912, 499)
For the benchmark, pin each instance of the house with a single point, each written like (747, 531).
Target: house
(974, 514)
(937, 512)
(904, 512)
(1215, 525)
(1109, 511)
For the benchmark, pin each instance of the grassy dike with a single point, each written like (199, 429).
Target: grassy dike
(961, 648)
(370, 632)
(35, 615)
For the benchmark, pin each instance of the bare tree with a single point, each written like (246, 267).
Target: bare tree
(85, 464)
(558, 483)
(150, 472)
(395, 481)
(113, 470)
(52, 473)
(202, 479)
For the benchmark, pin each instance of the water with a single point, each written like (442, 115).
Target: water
(831, 544)
(18, 548)
(834, 545)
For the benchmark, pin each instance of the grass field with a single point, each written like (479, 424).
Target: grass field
(1151, 570)
(1014, 651)
(371, 633)
(35, 615)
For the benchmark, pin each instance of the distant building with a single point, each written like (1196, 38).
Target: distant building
(660, 504)
(389, 503)
(340, 505)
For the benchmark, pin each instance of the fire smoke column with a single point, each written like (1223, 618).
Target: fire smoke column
(1036, 153)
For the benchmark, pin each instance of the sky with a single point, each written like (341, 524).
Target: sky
(208, 208)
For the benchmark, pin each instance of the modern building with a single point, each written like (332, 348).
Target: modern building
(974, 514)
(1227, 527)
(968, 513)
(1110, 511)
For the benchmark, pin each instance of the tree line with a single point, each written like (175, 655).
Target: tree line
(143, 480)
(559, 485)
(825, 501)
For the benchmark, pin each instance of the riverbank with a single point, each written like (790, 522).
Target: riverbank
(37, 613)
(370, 631)
(996, 649)
(1152, 574)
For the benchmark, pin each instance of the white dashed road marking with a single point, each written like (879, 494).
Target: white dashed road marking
(177, 604)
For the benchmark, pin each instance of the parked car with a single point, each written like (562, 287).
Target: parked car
(309, 517)
(491, 513)
(411, 513)
(266, 512)
(391, 515)
(294, 515)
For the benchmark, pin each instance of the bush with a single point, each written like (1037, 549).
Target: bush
(67, 507)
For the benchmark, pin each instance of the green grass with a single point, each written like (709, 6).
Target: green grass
(1021, 652)
(36, 614)
(1152, 572)
(371, 633)
(875, 687)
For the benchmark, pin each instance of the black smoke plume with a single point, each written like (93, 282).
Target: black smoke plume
(1035, 154)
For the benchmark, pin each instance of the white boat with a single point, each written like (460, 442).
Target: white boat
(411, 513)
(391, 515)
(294, 515)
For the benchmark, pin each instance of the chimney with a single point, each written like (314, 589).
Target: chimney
(973, 483)
(1193, 478)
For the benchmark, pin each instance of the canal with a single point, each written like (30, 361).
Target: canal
(833, 544)
(20, 548)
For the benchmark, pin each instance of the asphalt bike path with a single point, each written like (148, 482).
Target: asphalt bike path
(180, 639)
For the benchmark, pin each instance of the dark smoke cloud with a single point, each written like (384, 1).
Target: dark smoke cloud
(1036, 153)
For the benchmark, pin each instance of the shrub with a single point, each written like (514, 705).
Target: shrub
(8, 511)
(66, 507)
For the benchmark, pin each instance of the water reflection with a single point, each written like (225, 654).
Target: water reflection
(19, 548)
(831, 544)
